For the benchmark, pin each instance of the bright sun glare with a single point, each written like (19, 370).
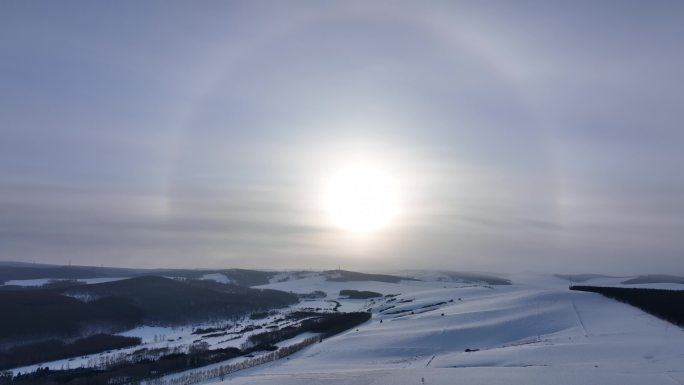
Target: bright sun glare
(361, 198)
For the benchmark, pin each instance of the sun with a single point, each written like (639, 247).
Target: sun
(361, 198)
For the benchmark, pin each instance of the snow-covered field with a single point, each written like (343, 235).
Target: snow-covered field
(436, 331)
(535, 331)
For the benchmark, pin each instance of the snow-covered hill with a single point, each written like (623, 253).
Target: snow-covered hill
(534, 331)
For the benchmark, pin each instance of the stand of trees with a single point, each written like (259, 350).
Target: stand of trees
(110, 307)
(664, 304)
(46, 314)
(127, 372)
(56, 349)
(328, 324)
(222, 371)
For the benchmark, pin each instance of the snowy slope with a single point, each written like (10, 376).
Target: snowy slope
(535, 331)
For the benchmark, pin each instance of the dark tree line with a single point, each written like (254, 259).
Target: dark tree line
(147, 365)
(75, 311)
(55, 349)
(664, 304)
(222, 371)
(328, 324)
(168, 301)
(359, 294)
(47, 314)
(135, 369)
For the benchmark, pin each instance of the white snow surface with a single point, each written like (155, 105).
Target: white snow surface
(535, 331)
(218, 277)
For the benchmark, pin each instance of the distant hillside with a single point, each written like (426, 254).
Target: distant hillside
(476, 278)
(23, 271)
(244, 277)
(581, 277)
(119, 305)
(44, 313)
(351, 276)
(8, 273)
(167, 300)
(656, 278)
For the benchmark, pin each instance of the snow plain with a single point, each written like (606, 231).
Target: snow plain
(535, 331)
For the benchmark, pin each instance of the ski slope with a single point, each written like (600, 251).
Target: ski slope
(535, 331)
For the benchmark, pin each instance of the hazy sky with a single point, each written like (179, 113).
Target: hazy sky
(533, 135)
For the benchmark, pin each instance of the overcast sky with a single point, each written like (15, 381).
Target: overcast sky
(525, 135)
